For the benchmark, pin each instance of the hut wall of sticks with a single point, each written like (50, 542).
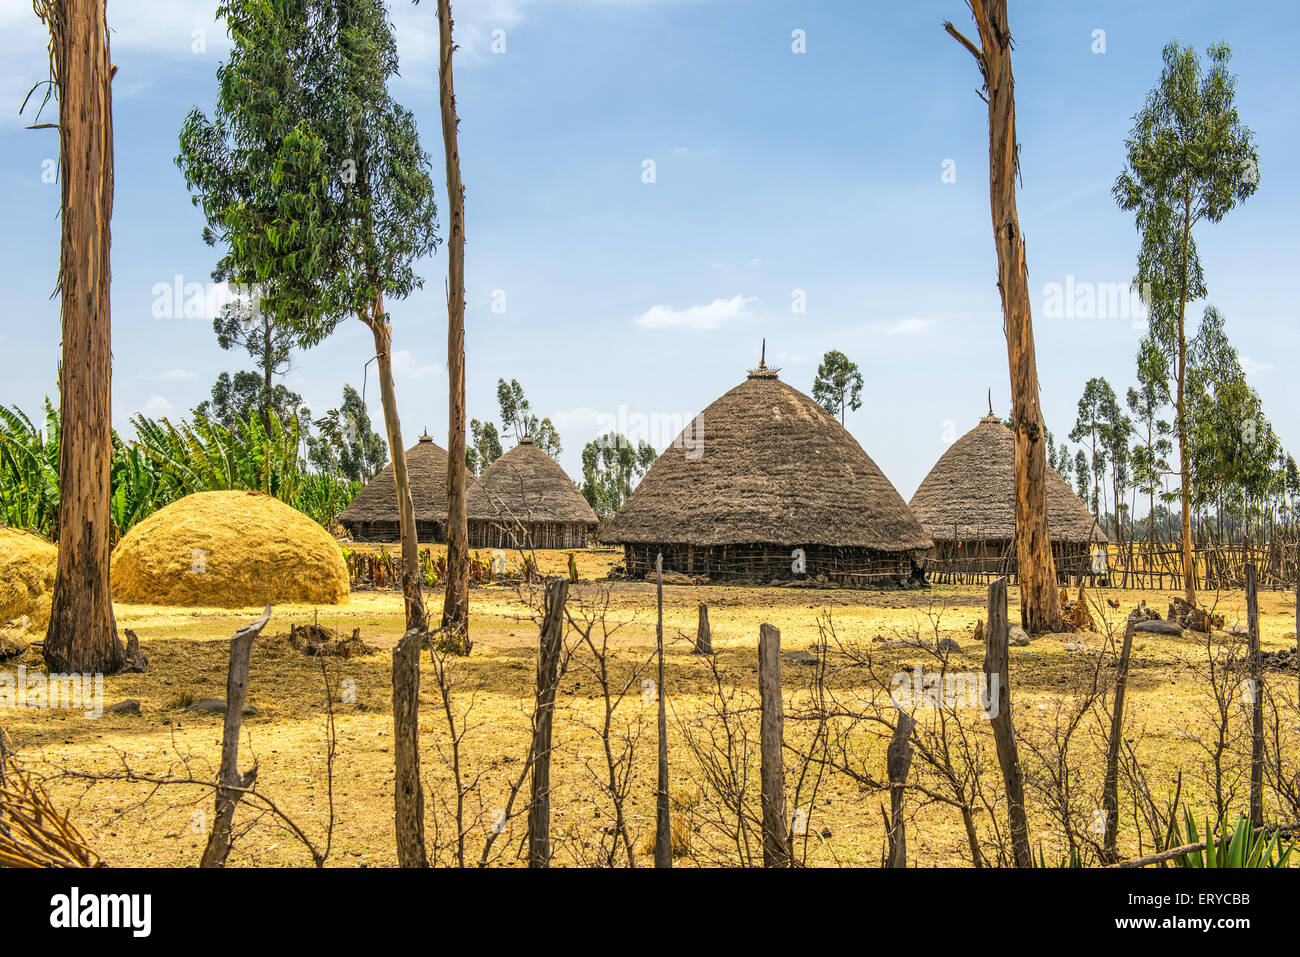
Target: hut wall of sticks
(525, 500)
(372, 515)
(967, 504)
(765, 485)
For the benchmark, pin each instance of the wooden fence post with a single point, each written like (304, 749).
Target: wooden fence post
(1110, 787)
(1256, 701)
(231, 784)
(551, 642)
(663, 827)
(996, 666)
(898, 760)
(776, 838)
(703, 635)
(408, 793)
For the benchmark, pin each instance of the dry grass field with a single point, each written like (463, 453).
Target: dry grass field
(139, 822)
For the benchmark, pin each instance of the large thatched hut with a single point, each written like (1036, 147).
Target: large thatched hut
(967, 504)
(525, 500)
(372, 516)
(766, 484)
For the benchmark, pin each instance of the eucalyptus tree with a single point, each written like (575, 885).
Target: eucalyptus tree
(313, 180)
(838, 385)
(346, 444)
(1040, 606)
(486, 447)
(1097, 409)
(519, 420)
(611, 467)
(1232, 446)
(1189, 160)
(240, 325)
(82, 632)
(1150, 453)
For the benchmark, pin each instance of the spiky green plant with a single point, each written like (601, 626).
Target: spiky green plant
(29, 471)
(1238, 847)
(165, 462)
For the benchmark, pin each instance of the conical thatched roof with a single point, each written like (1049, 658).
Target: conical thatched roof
(973, 485)
(527, 485)
(767, 464)
(426, 468)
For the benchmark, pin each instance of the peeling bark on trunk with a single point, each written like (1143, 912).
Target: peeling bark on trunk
(383, 333)
(408, 792)
(1040, 607)
(455, 606)
(82, 632)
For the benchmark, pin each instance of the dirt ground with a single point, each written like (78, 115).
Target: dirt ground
(136, 822)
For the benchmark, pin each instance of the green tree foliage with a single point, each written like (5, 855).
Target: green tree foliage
(838, 385)
(518, 420)
(243, 325)
(165, 462)
(611, 467)
(1081, 474)
(1233, 448)
(1189, 160)
(485, 447)
(29, 470)
(1150, 452)
(346, 445)
(1097, 409)
(308, 173)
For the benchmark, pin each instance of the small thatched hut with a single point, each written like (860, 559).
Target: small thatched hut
(525, 500)
(372, 516)
(766, 484)
(968, 506)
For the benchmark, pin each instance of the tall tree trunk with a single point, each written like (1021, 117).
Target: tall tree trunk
(82, 633)
(1189, 556)
(455, 606)
(1040, 607)
(383, 333)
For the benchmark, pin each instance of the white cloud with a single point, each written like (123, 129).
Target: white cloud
(172, 375)
(908, 327)
(716, 314)
(583, 421)
(406, 367)
(157, 407)
(1255, 366)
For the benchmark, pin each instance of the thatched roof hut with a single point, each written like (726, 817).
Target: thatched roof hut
(760, 479)
(372, 516)
(525, 500)
(967, 504)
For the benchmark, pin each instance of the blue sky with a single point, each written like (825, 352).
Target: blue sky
(780, 178)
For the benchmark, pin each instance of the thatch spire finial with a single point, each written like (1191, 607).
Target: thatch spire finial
(990, 401)
(763, 372)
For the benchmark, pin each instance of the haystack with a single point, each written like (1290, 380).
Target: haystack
(525, 500)
(967, 504)
(766, 484)
(372, 515)
(228, 549)
(27, 566)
